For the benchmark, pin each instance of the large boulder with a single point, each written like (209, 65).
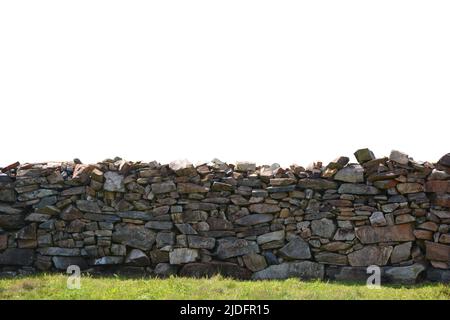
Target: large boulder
(17, 257)
(304, 270)
(228, 248)
(407, 275)
(253, 219)
(264, 208)
(323, 228)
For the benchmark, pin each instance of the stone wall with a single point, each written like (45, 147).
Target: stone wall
(239, 220)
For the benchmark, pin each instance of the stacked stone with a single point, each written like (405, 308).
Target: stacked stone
(239, 220)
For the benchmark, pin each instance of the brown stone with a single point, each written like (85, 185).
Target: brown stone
(331, 258)
(191, 188)
(444, 238)
(403, 232)
(370, 255)
(423, 234)
(437, 251)
(254, 261)
(409, 187)
(437, 186)
(317, 184)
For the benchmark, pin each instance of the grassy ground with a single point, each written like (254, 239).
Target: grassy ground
(54, 287)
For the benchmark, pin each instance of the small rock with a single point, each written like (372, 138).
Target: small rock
(401, 252)
(183, 168)
(409, 187)
(360, 189)
(245, 166)
(254, 262)
(163, 187)
(399, 157)
(271, 236)
(304, 270)
(264, 208)
(323, 228)
(351, 173)
(108, 260)
(331, 258)
(296, 249)
(228, 248)
(445, 160)
(377, 219)
(191, 188)
(165, 270)
(370, 255)
(364, 155)
(199, 242)
(137, 258)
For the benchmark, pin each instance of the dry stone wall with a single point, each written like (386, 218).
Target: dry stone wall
(238, 220)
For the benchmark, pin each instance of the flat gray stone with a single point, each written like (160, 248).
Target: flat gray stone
(228, 248)
(352, 173)
(406, 275)
(253, 219)
(304, 270)
(323, 228)
(296, 249)
(360, 189)
(134, 236)
(271, 236)
(17, 257)
(183, 255)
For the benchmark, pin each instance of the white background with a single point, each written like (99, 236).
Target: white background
(266, 81)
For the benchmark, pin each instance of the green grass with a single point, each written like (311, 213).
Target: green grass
(54, 287)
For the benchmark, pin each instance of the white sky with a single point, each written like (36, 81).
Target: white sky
(265, 81)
